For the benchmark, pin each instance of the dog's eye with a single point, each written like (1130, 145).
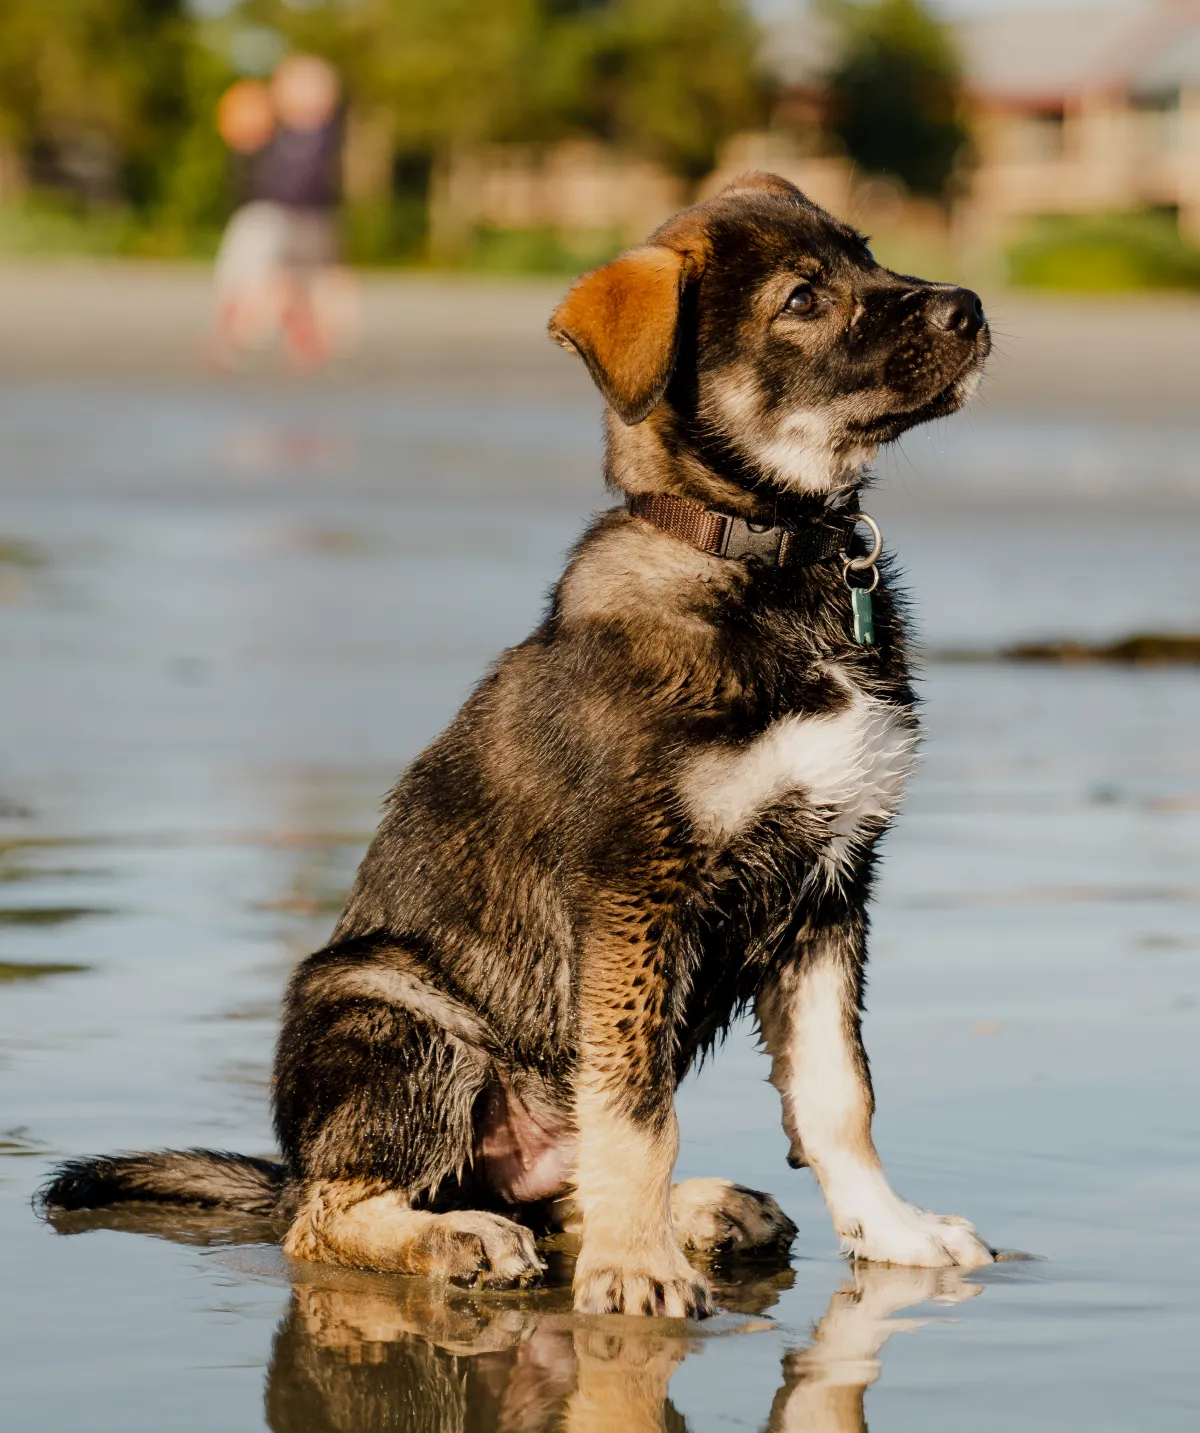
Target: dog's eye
(802, 301)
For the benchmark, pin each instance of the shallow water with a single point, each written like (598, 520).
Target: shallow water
(227, 620)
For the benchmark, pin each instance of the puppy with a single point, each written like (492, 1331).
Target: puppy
(659, 810)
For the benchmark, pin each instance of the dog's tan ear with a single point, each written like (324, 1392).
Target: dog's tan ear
(623, 319)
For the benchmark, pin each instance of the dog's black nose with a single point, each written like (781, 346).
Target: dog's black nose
(958, 311)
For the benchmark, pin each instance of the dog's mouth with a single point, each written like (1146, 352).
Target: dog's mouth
(952, 396)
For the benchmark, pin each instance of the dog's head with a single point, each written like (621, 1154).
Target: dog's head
(758, 333)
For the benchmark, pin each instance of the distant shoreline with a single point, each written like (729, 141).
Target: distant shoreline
(129, 321)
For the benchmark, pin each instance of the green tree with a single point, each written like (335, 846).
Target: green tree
(895, 93)
(98, 78)
(669, 79)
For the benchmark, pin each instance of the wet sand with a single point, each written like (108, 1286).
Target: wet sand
(231, 611)
(114, 322)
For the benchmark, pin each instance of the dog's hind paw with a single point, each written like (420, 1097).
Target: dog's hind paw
(479, 1250)
(465, 1246)
(715, 1216)
(680, 1294)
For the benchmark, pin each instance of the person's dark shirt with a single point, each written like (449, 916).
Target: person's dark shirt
(299, 167)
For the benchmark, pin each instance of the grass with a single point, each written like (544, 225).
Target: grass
(1105, 254)
(387, 235)
(539, 251)
(43, 225)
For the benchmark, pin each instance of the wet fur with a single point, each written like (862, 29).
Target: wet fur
(545, 934)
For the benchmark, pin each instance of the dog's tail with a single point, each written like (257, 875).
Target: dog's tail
(208, 1177)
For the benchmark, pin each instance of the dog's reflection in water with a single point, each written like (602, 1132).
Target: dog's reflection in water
(352, 1354)
(824, 1382)
(349, 1360)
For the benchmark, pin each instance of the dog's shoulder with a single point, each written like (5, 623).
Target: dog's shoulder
(624, 574)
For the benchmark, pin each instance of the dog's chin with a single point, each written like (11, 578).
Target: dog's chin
(955, 395)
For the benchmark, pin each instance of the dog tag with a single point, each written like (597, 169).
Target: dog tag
(863, 607)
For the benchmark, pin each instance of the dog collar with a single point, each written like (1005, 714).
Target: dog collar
(724, 535)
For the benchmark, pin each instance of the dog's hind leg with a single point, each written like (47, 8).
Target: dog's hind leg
(348, 1222)
(376, 1079)
(810, 1018)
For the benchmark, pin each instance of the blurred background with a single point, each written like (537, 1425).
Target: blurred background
(286, 458)
(1055, 145)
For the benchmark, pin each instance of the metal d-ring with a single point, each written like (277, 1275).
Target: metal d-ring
(860, 564)
(851, 586)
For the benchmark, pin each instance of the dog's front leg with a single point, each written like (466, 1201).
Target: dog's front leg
(630, 1261)
(810, 1018)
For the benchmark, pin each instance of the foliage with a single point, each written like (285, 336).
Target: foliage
(1105, 252)
(108, 104)
(540, 251)
(192, 197)
(96, 88)
(44, 223)
(667, 79)
(895, 93)
(670, 79)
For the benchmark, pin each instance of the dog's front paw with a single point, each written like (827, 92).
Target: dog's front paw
(904, 1234)
(676, 1292)
(715, 1216)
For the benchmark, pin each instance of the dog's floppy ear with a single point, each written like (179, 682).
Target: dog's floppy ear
(623, 319)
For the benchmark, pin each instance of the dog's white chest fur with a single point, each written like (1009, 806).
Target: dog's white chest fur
(850, 765)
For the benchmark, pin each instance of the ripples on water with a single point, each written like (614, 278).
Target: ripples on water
(227, 621)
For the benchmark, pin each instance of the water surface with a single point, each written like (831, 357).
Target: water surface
(228, 619)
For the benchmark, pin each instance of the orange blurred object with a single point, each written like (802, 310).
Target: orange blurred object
(245, 117)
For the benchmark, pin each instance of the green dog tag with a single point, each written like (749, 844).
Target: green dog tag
(864, 616)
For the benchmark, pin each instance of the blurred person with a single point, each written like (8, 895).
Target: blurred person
(248, 283)
(278, 270)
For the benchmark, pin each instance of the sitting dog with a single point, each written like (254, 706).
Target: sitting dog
(659, 810)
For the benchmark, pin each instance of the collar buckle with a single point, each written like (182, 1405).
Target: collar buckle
(752, 542)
